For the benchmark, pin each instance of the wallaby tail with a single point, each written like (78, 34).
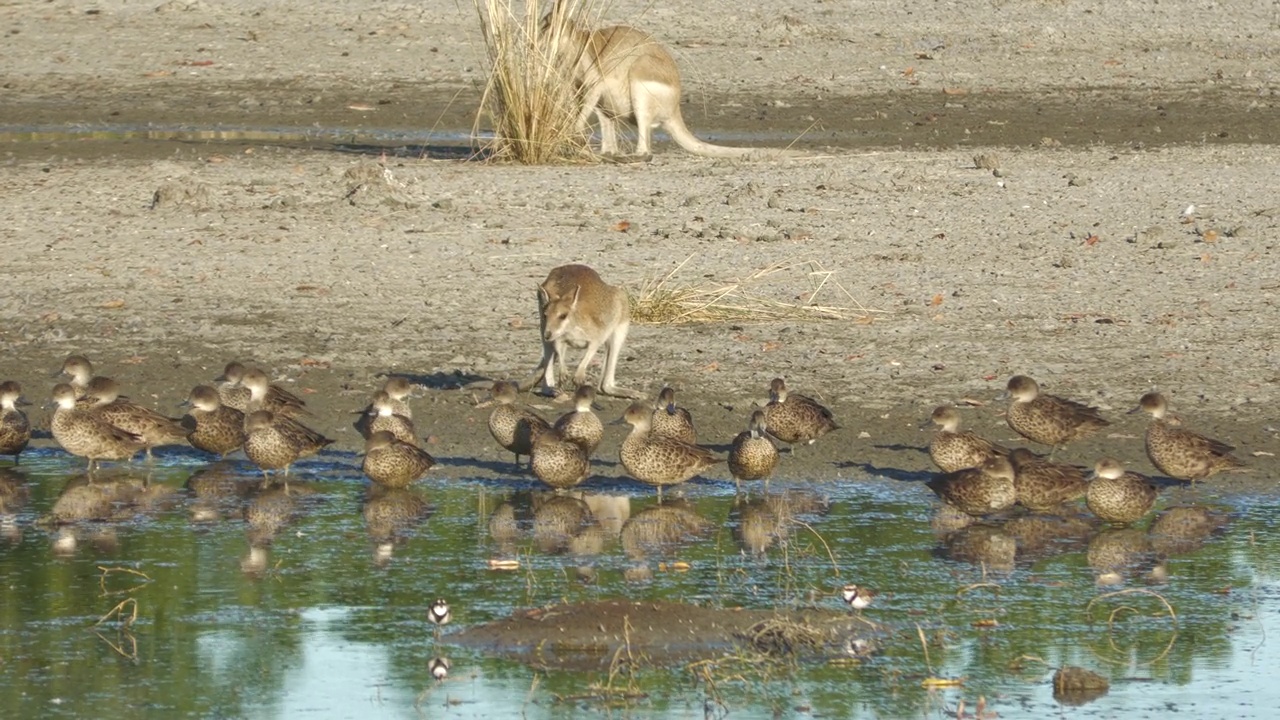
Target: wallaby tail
(679, 132)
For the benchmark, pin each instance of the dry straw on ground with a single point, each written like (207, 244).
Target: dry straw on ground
(530, 97)
(665, 301)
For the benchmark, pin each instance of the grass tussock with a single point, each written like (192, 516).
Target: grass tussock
(530, 100)
(667, 301)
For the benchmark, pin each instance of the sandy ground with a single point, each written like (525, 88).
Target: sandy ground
(1078, 264)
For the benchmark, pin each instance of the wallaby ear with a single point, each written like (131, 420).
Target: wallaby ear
(577, 290)
(543, 296)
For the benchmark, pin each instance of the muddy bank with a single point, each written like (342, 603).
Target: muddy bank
(589, 635)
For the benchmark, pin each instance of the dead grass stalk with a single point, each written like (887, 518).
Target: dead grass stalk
(667, 301)
(530, 98)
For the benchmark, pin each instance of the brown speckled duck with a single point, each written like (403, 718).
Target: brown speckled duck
(1044, 485)
(1116, 496)
(753, 455)
(382, 416)
(79, 371)
(978, 491)
(393, 463)
(81, 432)
(514, 427)
(150, 426)
(659, 460)
(952, 449)
(210, 425)
(1181, 453)
(582, 425)
(1048, 419)
(15, 429)
(275, 443)
(559, 462)
(794, 418)
(671, 421)
(231, 391)
(264, 395)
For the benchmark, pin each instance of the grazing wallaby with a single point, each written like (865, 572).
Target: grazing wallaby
(577, 309)
(623, 74)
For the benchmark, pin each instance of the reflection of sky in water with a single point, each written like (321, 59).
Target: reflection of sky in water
(326, 634)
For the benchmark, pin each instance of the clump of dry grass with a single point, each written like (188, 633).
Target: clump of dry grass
(530, 97)
(665, 301)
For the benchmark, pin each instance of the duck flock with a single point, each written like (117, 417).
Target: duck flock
(242, 410)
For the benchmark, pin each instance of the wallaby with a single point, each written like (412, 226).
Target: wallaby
(577, 309)
(623, 74)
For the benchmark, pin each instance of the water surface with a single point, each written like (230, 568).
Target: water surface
(320, 622)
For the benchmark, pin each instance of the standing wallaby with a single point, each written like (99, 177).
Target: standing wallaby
(623, 74)
(577, 309)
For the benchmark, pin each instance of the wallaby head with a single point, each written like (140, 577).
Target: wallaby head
(557, 312)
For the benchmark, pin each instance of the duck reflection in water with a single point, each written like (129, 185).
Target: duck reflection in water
(270, 511)
(660, 530)
(1119, 552)
(13, 498)
(217, 491)
(761, 522)
(390, 514)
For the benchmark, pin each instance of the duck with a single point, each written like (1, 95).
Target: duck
(753, 456)
(796, 419)
(275, 443)
(1044, 485)
(231, 392)
(1180, 453)
(1117, 496)
(393, 463)
(514, 427)
(978, 491)
(263, 395)
(382, 416)
(1048, 419)
(399, 389)
(671, 421)
(210, 425)
(15, 429)
(154, 429)
(659, 460)
(952, 449)
(557, 461)
(582, 425)
(82, 433)
(79, 372)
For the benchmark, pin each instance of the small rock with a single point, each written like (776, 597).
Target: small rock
(1077, 686)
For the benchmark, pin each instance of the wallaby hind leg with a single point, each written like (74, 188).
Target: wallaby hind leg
(608, 383)
(608, 133)
(642, 103)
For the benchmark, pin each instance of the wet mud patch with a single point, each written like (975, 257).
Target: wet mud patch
(589, 635)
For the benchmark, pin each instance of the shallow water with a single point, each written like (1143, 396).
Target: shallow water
(321, 625)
